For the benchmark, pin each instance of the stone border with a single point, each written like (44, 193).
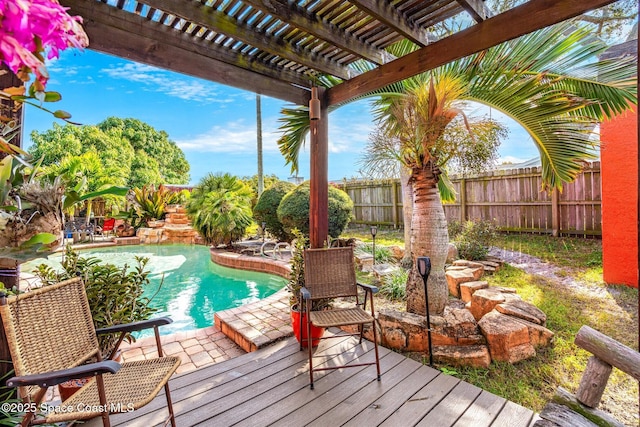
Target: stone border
(255, 325)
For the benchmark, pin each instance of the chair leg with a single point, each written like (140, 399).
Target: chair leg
(103, 401)
(375, 346)
(172, 416)
(309, 347)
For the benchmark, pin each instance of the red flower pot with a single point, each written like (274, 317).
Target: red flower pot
(301, 336)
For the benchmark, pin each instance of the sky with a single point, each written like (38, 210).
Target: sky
(214, 125)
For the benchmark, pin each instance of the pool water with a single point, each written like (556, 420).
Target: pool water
(192, 287)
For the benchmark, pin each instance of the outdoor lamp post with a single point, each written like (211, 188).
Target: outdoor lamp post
(264, 226)
(424, 268)
(374, 231)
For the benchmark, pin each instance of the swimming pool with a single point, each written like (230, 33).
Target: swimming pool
(194, 287)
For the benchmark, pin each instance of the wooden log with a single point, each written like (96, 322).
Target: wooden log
(563, 397)
(609, 350)
(564, 416)
(593, 382)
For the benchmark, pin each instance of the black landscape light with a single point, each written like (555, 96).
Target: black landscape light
(264, 227)
(424, 268)
(374, 231)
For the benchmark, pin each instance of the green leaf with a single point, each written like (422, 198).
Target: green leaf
(111, 191)
(61, 114)
(52, 97)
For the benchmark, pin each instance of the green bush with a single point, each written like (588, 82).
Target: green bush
(151, 204)
(394, 286)
(383, 253)
(114, 293)
(474, 238)
(267, 207)
(293, 211)
(220, 208)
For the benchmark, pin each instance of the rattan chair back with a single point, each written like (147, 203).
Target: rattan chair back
(330, 273)
(65, 336)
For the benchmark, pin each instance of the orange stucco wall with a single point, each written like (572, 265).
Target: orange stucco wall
(619, 165)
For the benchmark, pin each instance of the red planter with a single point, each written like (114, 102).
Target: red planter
(316, 332)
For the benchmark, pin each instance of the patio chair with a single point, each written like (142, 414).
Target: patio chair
(108, 227)
(52, 339)
(330, 273)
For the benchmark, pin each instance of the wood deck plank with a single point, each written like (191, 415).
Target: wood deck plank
(383, 407)
(268, 408)
(513, 415)
(447, 411)
(418, 405)
(482, 411)
(351, 406)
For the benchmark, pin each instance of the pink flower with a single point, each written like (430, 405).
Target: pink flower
(29, 28)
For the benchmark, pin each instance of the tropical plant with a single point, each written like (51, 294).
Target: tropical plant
(151, 203)
(114, 293)
(266, 208)
(383, 254)
(394, 285)
(549, 81)
(293, 211)
(220, 208)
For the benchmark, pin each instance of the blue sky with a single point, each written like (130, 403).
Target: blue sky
(215, 125)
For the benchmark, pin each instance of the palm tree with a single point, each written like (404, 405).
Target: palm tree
(549, 81)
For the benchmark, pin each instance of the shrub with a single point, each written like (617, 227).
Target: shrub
(293, 211)
(220, 208)
(394, 286)
(474, 239)
(383, 254)
(151, 203)
(267, 207)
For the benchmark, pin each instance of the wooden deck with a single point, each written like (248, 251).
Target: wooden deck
(271, 387)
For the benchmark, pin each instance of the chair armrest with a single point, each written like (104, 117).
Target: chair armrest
(368, 288)
(135, 326)
(306, 294)
(48, 379)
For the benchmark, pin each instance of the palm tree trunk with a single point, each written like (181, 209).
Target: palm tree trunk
(407, 212)
(429, 237)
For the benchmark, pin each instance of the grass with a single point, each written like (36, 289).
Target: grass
(611, 309)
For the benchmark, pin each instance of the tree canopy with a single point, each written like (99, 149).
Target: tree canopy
(131, 151)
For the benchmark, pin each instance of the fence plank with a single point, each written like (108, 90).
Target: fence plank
(513, 199)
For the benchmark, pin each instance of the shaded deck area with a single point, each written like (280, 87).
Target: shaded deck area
(270, 387)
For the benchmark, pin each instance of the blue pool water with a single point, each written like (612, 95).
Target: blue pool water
(194, 287)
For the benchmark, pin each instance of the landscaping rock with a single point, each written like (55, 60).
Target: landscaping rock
(467, 289)
(380, 271)
(523, 310)
(396, 252)
(475, 355)
(484, 301)
(456, 268)
(364, 262)
(454, 278)
(507, 338)
(401, 330)
(539, 336)
(470, 264)
(452, 253)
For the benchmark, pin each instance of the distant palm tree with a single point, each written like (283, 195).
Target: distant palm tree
(549, 81)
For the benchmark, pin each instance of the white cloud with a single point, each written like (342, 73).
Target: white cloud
(157, 80)
(234, 137)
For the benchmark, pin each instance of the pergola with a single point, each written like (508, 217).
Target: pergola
(279, 48)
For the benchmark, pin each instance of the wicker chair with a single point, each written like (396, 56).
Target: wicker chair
(51, 338)
(330, 273)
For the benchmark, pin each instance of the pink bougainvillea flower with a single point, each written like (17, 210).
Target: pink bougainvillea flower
(31, 28)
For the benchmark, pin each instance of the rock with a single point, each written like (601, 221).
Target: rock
(506, 290)
(539, 336)
(470, 264)
(494, 259)
(467, 289)
(489, 270)
(454, 278)
(476, 356)
(364, 262)
(452, 253)
(523, 310)
(396, 251)
(382, 270)
(485, 300)
(401, 330)
(477, 272)
(490, 264)
(456, 268)
(459, 323)
(507, 338)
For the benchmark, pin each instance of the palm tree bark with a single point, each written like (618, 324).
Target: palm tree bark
(407, 211)
(429, 237)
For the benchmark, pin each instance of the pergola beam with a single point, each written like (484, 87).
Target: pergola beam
(475, 8)
(530, 16)
(384, 12)
(111, 30)
(292, 14)
(195, 12)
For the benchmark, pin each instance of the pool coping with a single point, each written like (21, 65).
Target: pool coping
(255, 325)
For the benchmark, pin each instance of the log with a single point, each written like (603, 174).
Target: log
(564, 416)
(609, 350)
(593, 382)
(600, 418)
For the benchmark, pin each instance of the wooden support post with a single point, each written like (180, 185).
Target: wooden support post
(555, 212)
(394, 202)
(319, 185)
(593, 382)
(463, 200)
(9, 109)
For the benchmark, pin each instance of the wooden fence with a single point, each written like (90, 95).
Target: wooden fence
(511, 198)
